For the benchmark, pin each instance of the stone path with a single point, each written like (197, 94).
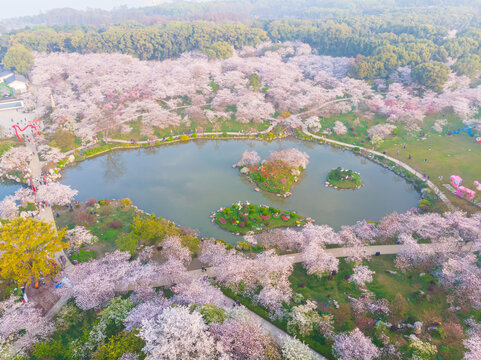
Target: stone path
(45, 213)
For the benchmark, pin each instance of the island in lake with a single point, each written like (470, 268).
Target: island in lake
(343, 179)
(243, 218)
(275, 174)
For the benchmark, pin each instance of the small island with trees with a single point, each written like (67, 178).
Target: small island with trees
(275, 174)
(343, 179)
(243, 218)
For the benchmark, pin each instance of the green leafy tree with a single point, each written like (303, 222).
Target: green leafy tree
(212, 313)
(19, 59)
(255, 81)
(219, 50)
(431, 75)
(117, 345)
(127, 242)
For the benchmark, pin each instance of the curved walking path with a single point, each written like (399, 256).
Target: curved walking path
(433, 187)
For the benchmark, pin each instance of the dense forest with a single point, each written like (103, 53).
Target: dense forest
(379, 43)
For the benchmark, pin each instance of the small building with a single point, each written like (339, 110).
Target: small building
(4, 74)
(17, 83)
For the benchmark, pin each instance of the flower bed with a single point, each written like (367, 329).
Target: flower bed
(243, 218)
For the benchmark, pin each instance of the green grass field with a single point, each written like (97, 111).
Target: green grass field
(445, 154)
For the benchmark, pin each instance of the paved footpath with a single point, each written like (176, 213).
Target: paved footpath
(46, 213)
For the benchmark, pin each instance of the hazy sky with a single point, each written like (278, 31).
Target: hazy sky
(14, 8)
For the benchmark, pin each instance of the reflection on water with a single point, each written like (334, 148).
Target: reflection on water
(114, 166)
(186, 182)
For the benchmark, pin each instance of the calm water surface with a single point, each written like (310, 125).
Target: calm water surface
(186, 182)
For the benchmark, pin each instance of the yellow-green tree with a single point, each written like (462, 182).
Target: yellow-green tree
(19, 59)
(27, 248)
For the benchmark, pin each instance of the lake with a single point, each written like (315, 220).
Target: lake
(187, 182)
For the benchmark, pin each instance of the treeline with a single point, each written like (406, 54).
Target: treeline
(379, 43)
(147, 43)
(230, 10)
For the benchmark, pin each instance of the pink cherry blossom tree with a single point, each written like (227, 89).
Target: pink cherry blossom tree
(55, 193)
(354, 346)
(79, 235)
(178, 331)
(241, 339)
(16, 158)
(95, 282)
(339, 128)
(249, 158)
(361, 275)
(292, 157)
(8, 208)
(23, 323)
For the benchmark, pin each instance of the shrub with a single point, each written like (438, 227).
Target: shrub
(84, 218)
(357, 148)
(194, 135)
(125, 202)
(221, 241)
(244, 218)
(117, 345)
(91, 202)
(226, 211)
(83, 255)
(241, 224)
(243, 246)
(424, 204)
(213, 314)
(184, 137)
(102, 202)
(222, 220)
(127, 242)
(116, 224)
(107, 201)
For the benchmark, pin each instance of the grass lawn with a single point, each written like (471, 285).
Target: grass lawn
(98, 224)
(445, 154)
(245, 218)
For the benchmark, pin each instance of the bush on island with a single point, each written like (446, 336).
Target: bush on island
(116, 224)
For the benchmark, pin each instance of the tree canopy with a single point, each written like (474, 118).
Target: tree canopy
(19, 59)
(28, 247)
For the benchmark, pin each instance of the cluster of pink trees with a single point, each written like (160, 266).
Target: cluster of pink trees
(181, 333)
(249, 158)
(243, 339)
(473, 342)
(267, 270)
(79, 235)
(95, 282)
(381, 130)
(22, 323)
(15, 159)
(292, 157)
(354, 346)
(361, 275)
(55, 193)
(104, 91)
